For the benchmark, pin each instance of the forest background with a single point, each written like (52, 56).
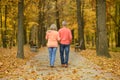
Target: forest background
(23, 21)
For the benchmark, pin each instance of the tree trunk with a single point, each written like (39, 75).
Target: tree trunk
(82, 29)
(101, 36)
(80, 25)
(0, 23)
(20, 52)
(39, 36)
(57, 16)
(39, 27)
(15, 35)
(25, 34)
(41, 33)
(5, 38)
(118, 45)
(2, 29)
(43, 36)
(118, 23)
(5, 20)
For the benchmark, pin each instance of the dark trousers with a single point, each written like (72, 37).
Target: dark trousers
(64, 53)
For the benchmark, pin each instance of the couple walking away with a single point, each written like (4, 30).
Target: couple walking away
(64, 37)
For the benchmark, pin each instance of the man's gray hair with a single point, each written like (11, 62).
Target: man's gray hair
(64, 23)
(53, 27)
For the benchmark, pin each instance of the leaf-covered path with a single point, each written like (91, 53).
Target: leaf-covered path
(79, 69)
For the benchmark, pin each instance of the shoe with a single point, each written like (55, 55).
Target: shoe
(52, 66)
(63, 65)
(66, 65)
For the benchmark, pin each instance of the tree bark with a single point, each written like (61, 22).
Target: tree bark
(41, 38)
(20, 52)
(118, 24)
(25, 34)
(80, 25)
(5, 38)
(101, 36)
(1, 22)
(57, 16)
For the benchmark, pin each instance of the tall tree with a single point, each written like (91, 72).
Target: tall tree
(41, 31)
(25, 33)
(5, 38)
(57, 15)
(101, 34)
(20, 52)
(1, 21)
(117, 18)
(80, 24)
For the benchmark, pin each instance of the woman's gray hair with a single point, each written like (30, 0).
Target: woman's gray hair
(64, 23)
(53, 27)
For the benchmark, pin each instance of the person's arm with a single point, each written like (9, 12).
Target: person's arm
(47, 34)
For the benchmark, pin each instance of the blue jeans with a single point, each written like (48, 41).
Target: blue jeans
(64, 53)
(52, 55)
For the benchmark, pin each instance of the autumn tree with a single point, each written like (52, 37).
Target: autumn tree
(101, 33)
(1, 20)
(41, 27)
(20, 52)
(57, 15)
(117, 22)
(4, 35)
(80, 24)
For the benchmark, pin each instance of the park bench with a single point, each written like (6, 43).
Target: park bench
(78, 46)
(33, 47)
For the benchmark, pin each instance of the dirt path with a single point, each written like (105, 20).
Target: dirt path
(79, 69)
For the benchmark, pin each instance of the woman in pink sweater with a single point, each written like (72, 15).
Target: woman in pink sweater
(52, 38)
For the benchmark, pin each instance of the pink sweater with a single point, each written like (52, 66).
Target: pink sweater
(53, 38)
(65, 35)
